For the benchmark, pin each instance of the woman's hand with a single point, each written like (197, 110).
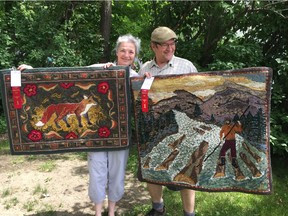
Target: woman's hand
(23, 67)
(109, 64)
(105, 65)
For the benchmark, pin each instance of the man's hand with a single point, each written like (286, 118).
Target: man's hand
(147, 74)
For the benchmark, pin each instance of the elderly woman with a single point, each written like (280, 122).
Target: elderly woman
(107, 168)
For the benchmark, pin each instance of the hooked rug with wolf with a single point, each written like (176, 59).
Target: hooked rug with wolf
(68, 109)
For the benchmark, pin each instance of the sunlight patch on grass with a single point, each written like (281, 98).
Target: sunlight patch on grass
(47, 166)
(11, 203)
(31, 157)
(6, 192)
(18, 160)
(47, 210)
(30, 205)
(39, 190)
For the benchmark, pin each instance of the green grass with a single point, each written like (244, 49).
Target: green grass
(3, 125)
(132, 164)
(207, 204)
(47, 166)
(227, 203)
(30, 205)
(11, 203)
(4, 147)
(6, 192)
(40, 190)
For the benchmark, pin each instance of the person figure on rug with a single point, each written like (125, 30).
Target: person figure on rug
(107, 168)
(227, 133)
(163, 44)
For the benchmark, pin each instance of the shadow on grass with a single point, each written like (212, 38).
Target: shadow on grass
(78, 210)
(80, 170)
(59, 213)
(279, 166)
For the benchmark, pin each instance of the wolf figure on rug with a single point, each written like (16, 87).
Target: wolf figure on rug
(64, 110)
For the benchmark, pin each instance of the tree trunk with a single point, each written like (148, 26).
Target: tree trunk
(105, 25)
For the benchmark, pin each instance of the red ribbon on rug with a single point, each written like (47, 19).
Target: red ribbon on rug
(16, 94)
(144, 93)
(15, 76)
(144, 100)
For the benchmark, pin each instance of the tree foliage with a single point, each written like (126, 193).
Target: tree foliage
(214, 35)
(51, 33)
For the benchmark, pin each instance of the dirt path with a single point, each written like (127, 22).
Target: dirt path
(28, 188)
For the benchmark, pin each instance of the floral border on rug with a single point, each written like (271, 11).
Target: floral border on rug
(68, 109)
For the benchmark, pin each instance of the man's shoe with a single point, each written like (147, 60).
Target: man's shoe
(154, 212)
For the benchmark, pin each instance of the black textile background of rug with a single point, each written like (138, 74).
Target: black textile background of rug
(179, 139)
(68, 109)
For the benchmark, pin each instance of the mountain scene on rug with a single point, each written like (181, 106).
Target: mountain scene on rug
(206, 132)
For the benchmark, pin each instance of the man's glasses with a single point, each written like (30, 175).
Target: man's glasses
(166, 45)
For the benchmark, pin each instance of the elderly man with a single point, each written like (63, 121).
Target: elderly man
(163, 44)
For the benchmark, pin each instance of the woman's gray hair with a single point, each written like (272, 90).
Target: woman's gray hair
(129, 38)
